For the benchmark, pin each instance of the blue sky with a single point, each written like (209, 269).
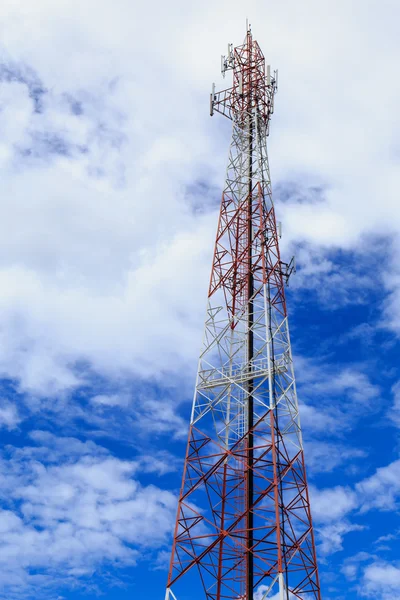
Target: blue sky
(111, 172)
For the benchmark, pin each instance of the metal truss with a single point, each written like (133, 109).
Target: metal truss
(244, 521)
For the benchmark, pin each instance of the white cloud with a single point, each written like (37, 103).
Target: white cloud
(394, 412)
(262, 589)
(349, 381)
(317, 420)
(324, 456)
(9, 416)
(331, 536)
(15, 113)
(139, 332)
(390, 537)
(147, 411)
(110, 400)
(108, 264)
(352, 564)
(331, 504)
(332, 284)
(331, 395)
(381, 579)
(382, 490)
(66, 519)
(330, 508)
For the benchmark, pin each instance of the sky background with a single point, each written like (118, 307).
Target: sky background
(111, 173)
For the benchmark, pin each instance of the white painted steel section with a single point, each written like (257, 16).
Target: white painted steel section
(267, 333)
(281, 587)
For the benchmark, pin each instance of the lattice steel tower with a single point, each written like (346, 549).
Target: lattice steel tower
(243, 528)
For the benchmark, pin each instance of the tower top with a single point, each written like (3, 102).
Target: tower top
(254, 86)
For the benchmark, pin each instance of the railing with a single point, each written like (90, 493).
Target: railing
(240, 373)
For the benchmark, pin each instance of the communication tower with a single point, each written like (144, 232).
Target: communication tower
(243, 529)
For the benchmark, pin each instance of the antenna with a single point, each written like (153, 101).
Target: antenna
(227, 62)
(212, 97)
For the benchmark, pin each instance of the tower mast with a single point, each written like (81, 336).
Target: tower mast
(250, 341)
(244, 523)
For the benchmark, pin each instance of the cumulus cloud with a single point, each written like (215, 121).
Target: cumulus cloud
(9, 416)
(381, 579)
(333, 507)
(382, 489)
(107, 177)
(331, 395)
(394, 412)
(352, 565)
(325, 456)
(330, 509)
(67, 518)
(331, 536)
(147, 410)
(334, 381)
(373, 577)
(332, 503)
(337, 278)
(106, 234)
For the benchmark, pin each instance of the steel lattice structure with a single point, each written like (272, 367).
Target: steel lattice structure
(244, 528)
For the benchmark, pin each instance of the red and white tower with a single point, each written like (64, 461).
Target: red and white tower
(243, 528)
